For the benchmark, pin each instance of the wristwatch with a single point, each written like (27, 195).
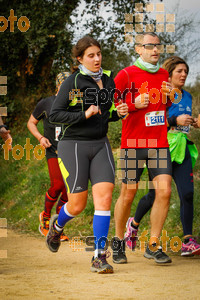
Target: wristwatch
(3, 126)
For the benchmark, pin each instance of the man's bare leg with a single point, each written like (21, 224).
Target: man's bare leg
(123, 208)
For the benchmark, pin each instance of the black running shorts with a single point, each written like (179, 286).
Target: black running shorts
(80, 161)
(133, 162)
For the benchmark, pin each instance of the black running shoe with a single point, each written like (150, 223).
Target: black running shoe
(100, 264)
(119, 255)
(53, 236)
(159, 256)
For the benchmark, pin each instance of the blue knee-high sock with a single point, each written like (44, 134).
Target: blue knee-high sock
(63, 217)
(101, 223)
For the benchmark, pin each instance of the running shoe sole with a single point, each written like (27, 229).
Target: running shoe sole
(104, 271)
(189, 254)
(121, 261)
(165, 261)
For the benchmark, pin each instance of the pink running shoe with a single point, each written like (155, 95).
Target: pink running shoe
(131, 235)
(191, 248)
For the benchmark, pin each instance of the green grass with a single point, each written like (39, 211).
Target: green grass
(23, 185)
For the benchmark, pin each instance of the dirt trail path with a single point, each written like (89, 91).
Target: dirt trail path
(31, 271)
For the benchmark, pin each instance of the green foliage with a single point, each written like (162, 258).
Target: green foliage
(194, 90)
(22, 185)
(31, 59)
(114, 134)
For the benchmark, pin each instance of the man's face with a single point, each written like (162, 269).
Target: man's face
(149, 55)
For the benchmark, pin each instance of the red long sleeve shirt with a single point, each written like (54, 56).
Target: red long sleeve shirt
(147, 127)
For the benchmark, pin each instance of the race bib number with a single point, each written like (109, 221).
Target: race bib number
(180, 128)
(155, 118)
(57, 132)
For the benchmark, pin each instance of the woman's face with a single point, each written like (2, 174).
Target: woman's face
(179, 76)
(91, 58)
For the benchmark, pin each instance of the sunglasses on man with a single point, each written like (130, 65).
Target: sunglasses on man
(152, 46)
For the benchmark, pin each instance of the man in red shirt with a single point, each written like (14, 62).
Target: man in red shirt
(144, 141)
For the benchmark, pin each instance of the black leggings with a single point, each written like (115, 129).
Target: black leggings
(80, 161)
(183, 177)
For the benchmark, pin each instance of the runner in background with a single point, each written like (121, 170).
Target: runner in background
(183, 155)
(49, 141)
